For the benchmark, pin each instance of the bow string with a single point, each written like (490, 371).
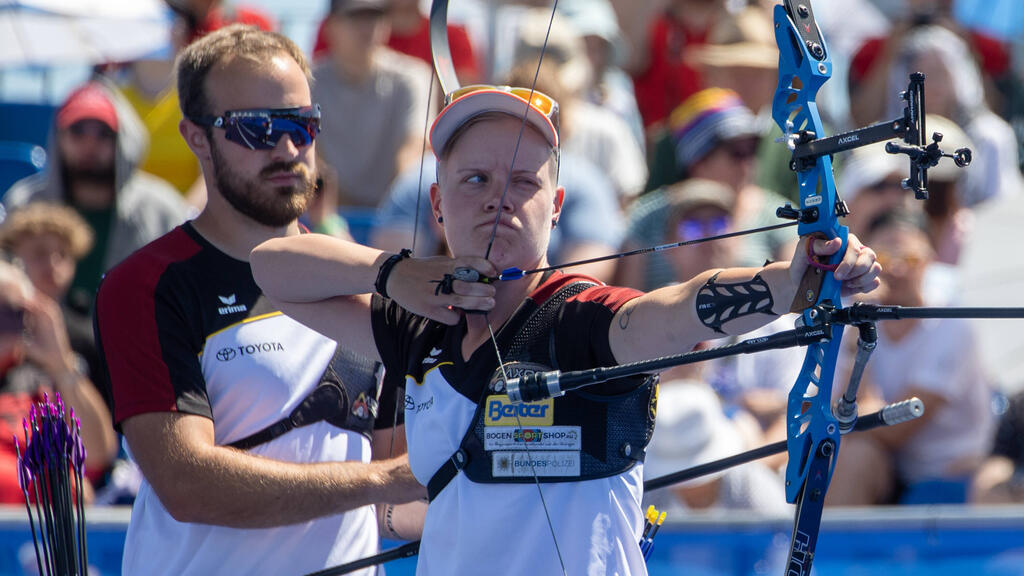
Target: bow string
(445, 69)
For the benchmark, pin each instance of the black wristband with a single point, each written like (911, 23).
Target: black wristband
(381, 285)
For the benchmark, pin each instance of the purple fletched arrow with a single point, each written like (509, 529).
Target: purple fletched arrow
(24, 474)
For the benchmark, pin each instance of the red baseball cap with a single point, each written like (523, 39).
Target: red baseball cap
(90, 102)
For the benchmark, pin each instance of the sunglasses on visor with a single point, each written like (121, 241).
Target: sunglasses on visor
(541, 101)
(261, 129)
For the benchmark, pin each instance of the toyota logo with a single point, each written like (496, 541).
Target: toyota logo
(226, 354)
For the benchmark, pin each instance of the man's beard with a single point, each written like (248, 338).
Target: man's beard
(284, 203)
(89, 175)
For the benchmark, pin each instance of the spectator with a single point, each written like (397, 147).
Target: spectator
(753, 387)
(589, 130)
(715, 138)
(97, 144)
(696, 208)
(209, 381)
(322, 215)
(410, 35)
(871, 186)
(376, 103)
(669, 78)
(929, 460)
(35, 358)
(609, 86)
(200, 17)
(1000, 480)
(48, 240)
(692, 429)
(741, 55)
(148, 86)
(954, 90)
(870, 78)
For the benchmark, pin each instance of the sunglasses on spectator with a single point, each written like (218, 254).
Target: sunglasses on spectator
(93, 128)
(541, 101)
(890, 259)
(261, 129)
(690, 229)
(741, 149)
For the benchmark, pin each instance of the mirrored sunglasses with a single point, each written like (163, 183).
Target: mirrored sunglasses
(741, 149)
(889, 260)
(541, 101)
(261, 129)
(92, 128)
(690, 229)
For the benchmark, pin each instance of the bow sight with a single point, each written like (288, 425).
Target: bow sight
(910, 128)
(807, 148)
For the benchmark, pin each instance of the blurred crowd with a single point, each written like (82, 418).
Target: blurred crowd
(666, 137)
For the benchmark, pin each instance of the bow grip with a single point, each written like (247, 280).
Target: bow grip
(817, 286)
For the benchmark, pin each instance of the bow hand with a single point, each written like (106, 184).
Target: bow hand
(857, 270)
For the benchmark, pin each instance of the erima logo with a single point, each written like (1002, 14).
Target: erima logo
(229, 307)
(434, 352)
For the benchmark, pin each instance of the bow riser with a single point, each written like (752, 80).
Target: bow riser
(810, 421)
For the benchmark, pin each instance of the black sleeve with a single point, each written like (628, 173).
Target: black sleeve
(399, 336)
(591, 313)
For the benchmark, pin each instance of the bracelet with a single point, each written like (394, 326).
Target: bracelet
(381, 285)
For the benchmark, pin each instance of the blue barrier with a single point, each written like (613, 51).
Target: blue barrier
(905, 541)
(26, 122)
(18, 160)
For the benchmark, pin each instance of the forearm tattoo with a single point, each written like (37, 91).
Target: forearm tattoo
(719, 303)
(627, 314)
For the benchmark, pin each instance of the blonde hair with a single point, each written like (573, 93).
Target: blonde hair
(44, 218)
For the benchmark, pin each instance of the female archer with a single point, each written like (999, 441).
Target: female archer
(452, 344)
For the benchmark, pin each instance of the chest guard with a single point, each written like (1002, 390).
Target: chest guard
(347, 397)
(579, 436)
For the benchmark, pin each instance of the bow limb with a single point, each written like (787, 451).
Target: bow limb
(439, 48)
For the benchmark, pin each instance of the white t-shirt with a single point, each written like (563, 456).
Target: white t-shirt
(940, 356)
(185, 328)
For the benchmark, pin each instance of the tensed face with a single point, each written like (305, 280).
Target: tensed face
(472, 179)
